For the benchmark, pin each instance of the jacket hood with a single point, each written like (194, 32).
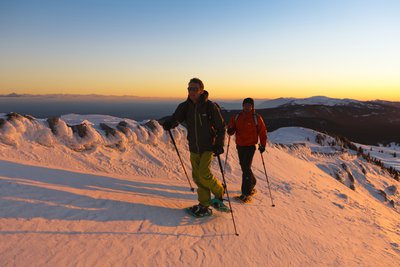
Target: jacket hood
(202, 99)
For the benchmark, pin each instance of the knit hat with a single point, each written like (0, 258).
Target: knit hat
(249, 101)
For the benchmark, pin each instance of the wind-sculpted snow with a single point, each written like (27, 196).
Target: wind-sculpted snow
(21, 129)
(79, 141)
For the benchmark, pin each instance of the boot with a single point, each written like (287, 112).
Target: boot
(200, 210)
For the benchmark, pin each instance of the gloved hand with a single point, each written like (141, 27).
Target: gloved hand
(231, 131)
(218, 150)
(261, 148)
(169, 124)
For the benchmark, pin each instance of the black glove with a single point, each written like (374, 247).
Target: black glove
(169, 124)
(231, 131)
(261, 148)
(218, 150)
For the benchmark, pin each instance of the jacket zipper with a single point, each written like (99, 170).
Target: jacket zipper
(195, 127)
(201, 124)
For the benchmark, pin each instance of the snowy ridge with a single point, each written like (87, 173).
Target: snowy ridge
(131, 152)
(20, 129)
(106, 199)
(315, 100)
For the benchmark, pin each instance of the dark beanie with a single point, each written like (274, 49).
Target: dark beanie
(248, 100)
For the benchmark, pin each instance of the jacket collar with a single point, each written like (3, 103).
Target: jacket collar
(248, 113)
(202, 99)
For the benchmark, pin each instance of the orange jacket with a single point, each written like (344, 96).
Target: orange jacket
(246, 129)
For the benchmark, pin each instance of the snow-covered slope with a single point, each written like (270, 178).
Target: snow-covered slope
(389, 155)
(117, 200)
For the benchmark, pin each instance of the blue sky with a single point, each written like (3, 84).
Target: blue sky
(270, 48)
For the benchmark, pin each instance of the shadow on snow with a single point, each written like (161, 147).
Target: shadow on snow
(36, 192)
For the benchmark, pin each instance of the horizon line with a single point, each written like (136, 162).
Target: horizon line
(16, 95)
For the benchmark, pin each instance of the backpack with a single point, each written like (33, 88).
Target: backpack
(255, 117)
(209, 110)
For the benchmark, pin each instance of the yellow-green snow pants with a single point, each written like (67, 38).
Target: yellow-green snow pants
(202, 176)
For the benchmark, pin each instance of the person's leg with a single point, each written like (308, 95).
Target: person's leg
(250, 160)
(207, 179)
(203, 193)
(246, 154)
(241, 154)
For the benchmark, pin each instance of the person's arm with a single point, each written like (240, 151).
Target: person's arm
(232, 126)
(262, 131)
(180, 112)
(178, 117)
(219, 126)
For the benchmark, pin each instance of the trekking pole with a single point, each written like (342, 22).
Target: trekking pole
(269, 188)
(183, 166)
(227, 151)
(226, 159)
(227, 193)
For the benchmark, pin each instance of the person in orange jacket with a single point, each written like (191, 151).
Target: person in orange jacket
(249, 127)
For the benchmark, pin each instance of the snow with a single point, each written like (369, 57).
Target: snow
(67, 200)
(315, 100)
(389, 155)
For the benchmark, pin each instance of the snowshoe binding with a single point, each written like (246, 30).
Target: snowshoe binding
(219, 205)
(199, 211)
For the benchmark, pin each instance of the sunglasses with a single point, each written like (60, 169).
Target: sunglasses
(194, 89)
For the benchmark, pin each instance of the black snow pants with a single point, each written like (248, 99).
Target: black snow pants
(246, 154)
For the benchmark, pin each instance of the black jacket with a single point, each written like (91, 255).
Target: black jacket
(204, 121)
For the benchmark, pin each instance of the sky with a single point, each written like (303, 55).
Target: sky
(260, 49)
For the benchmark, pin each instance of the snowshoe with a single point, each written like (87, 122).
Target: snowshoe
(199, 211)
(219, 205)
(253, 192)
(243, 198)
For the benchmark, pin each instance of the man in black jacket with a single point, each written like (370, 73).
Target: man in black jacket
(206, 133)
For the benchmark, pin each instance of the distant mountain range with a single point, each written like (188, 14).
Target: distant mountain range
(78, 97)
(315, 100)
(368, 122)
(12, 95)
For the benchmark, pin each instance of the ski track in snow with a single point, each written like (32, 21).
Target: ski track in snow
(109, 207)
